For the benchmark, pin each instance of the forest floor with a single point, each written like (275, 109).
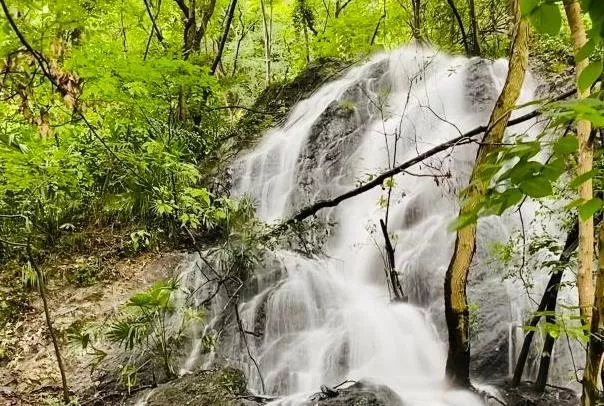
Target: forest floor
(29, 374)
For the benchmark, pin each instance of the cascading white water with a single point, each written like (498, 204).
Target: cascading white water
(330, 318)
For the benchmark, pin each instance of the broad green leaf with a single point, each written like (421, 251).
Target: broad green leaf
(527, 7)
(566, 145)
(554, 169)
(579, 180)
(546, 18)
(462, 221)
(573, 204)
(590, 208)
(589, 75)
(586, 50)
(536, 187)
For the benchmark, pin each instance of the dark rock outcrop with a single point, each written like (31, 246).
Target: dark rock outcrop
(524, 395)
(274, 103)
(359, 394)
(225, 387)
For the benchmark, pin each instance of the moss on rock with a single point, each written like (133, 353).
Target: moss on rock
(223, 387)
(276, 100)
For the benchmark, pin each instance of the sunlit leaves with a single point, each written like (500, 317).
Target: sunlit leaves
(566, 145)
(514, 172)
(587, 49)
(536, 187)
(544, 16)
(580, 179)
(589, 75)
(589, 208)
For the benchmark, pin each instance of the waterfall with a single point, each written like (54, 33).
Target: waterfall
(328, 317)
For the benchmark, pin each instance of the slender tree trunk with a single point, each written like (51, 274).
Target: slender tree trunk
(592, 388)
(462, 29)
(474, 42)
(456, 301)
(194, 26)
(548, 345)
(416, 25)
(395, 284)
(550, 294)
(225, 35)
(55, 343)
(267, 43)
(584, 165)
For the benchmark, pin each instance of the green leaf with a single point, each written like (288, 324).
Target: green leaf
(589, 75)
(579, 180)
(586, 50)
(589, 208)
(554, 169)
(573, 204)
(547, 19)
(527, 7)
(536, 187)
(462, 221)
(566, 145)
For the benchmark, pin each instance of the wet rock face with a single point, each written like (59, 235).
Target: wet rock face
(361, 394)
(335, 136)
(217, 388)
(279, 98)
(480, 89)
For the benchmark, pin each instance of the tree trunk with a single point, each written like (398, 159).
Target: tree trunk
(474, 41)
(225, 35)
(267, 43)
(456, 302)
(416, 25)
(55, 343)
(194, 28)
(548, 345)
(584, 164)
(462, 29)
(550, 294)
(592, 391)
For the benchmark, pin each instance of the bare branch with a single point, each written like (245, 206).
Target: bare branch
(379, 180)
(183, 7)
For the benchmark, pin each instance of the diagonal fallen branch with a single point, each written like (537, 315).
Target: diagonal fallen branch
(463, 139)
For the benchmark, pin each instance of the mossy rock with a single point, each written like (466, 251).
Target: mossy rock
(273, 104)
(223, 387)
(360, 394)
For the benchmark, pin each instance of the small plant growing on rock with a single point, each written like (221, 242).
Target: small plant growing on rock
(147, 323)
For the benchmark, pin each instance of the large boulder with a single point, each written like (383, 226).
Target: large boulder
(225, 387)
(359, 394)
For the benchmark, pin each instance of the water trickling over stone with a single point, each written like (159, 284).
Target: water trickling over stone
(326, 318)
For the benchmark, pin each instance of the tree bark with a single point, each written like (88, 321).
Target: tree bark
(416, 25)
(225, 35)
(456, 301)
(194, 28)
(584, 164)
(395, 284)
(55, 343)
(475, 42)
(592, 390)
(462, 29)
(266, 25)
(550, 294)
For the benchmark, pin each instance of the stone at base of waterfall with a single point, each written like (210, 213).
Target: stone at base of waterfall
(525, 395)
(225, 387)
(362, 394)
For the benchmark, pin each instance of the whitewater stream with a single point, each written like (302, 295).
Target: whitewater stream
(325, 318)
